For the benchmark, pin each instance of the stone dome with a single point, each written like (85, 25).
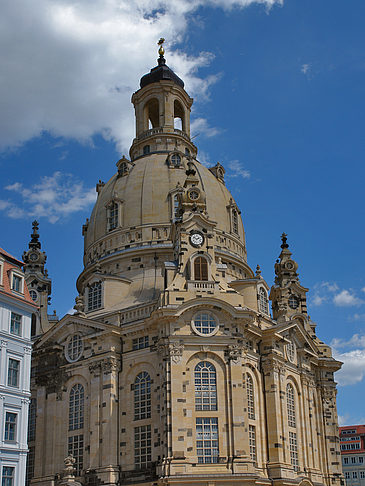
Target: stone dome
(146, 194)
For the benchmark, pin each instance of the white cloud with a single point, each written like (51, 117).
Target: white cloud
(236, 169)
(363, 289)
(358, 317)
(346, 298)
(352, 353)
(53, 198)
(200, 126)
(69, 67)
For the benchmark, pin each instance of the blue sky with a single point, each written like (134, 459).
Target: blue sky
(279, 101)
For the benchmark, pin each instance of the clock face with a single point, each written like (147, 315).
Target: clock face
(196, 239)
(33, 257)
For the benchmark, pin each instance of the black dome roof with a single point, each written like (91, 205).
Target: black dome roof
(159, 73)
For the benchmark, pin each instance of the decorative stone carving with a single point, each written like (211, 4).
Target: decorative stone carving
(95, 368)
(110, 365)
(79, 306)
(172, 350)
(68, 476)
(234, 353)
(175, 351)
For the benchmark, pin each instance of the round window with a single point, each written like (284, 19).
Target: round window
(74, 348)
(205, 324)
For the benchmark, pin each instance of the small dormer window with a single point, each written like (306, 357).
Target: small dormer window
(176, 160)
(123, 169)
(113, 216)
(94, 296)
(263, 302)
(17, 283)
(146, 149)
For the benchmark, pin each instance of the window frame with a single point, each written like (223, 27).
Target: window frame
(290, 406)
(76, 407)
(14, 321)
(92, 298)
(207, 430)
(142, 396)
(200, 331)
(199, 270)
(69, 347)
(263, 301)
(10, 427)
(205, 387)
(10, 358)
(12, 477)
(17, 274)
(142, 442)
(250, 390)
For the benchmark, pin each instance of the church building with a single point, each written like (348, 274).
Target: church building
(173, 370)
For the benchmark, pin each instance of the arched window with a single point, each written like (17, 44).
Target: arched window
(290, 405)
(76, 408)
(142, 396)
(263, 302)
(235, 221)
(205, 386)
(112, 216)
(176, 160)
(200, 269)
(94, 296)
(250, 397)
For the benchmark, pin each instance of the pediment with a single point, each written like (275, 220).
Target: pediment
(299, 335)
(71, 324)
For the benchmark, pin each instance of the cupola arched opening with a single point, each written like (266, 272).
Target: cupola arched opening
(179, 116)
(151, 114)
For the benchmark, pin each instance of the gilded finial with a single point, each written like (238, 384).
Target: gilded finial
(161, 50)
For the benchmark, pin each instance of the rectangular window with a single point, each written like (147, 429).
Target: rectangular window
(76, 448)
(252, 441)
(354, 475)
(32, 417)
(142, 446)
(13, 372)
(353, 460)
(207, 440)
(346, 460)
(113, 216)
(361, 460)
(30, 466)
(10, 426)
(15, 324)
(362, 474)
(140, 343)
(293, 447)
(8, 476)
(16, 283)
(347, 475)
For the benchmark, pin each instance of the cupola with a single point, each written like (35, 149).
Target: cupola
(162, 110)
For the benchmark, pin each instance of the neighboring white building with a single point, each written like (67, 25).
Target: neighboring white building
(16, 312)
